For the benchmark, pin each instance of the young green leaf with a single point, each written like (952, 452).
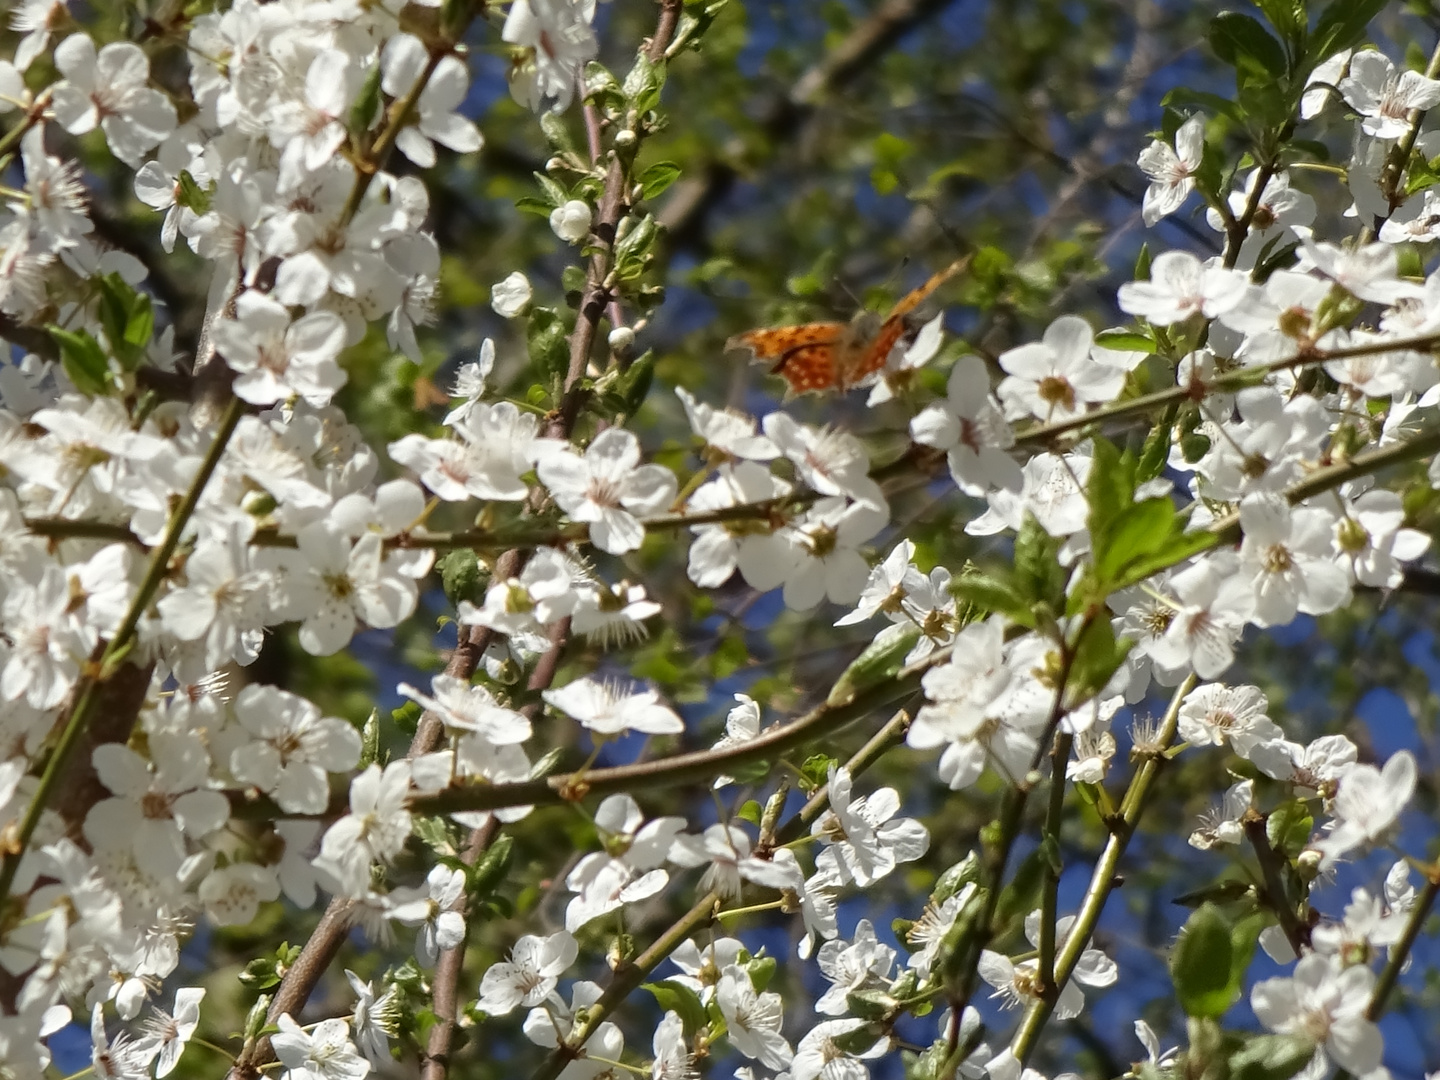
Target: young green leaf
(1202, 962)
(84, 360)
(658, 177)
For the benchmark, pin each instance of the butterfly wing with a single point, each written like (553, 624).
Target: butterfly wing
(806, 368)
(780, 341)
(804, 356)
(910, 301)
(893, 329)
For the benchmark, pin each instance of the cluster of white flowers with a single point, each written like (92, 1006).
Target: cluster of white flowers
(288, 523)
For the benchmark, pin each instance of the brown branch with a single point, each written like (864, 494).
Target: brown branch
(596, 301)
(445, 985)
(1296, 932)
(451, 965)
(329, 934)
(300, 978)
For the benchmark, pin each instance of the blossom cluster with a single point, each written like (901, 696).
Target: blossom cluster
(274, 511)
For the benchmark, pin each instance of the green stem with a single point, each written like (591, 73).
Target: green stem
(627, 979)
(1400, 951)
(119, 644)
(1050, 839)
(11, 138)
(1102, 880)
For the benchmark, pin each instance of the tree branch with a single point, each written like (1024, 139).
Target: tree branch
(1103, 880)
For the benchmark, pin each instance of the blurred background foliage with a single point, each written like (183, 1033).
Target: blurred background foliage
(831, 154)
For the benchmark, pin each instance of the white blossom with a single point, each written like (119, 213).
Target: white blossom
(1172, 169)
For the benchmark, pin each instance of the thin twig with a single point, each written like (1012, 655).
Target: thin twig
(1103, 879)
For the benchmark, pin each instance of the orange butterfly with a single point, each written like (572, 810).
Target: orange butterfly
(837, 356)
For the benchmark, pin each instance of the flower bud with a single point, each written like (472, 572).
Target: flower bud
(571, 222)
(624, 139)
(622, 339)
(510, 297)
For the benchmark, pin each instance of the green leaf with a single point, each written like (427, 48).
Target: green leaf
(462, 577)
(128, 319)
(533, 204)
(636, 239)
(83, 359)
(1156, 452)
(1340, 26)
(874, 1003)
(689, 30)
(366, 109)
(545, 336)
(555, 195)
(761, 970)
(730, 655)
(1138, 531)
(1180, 547)
(492, 869)
(1219, 892)
(1244, 44)
(370, 739)
(861, 1039)
(140, 326)
(1288, 17)
(1039, 577)
(1202, 964)
(815, 772)
(260, 973)
(191, 195)
(1243, 939)
(658, 177)
(437, 834)
(1022, 895)
(602, 90)
(678, 998)
(1097, 657)
(1126, 341)
(890, 153)
(255, 1018)
(1211, 103)
(956, 878)
(1111, 487)
(407, 717)
(750, 811)
(634, 385)
(929, 1064)
(1271, 1057)
(880, 662)
(993, 595)
(1142, 260)
(557, 133)
(642, 86)
(1289, 826)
